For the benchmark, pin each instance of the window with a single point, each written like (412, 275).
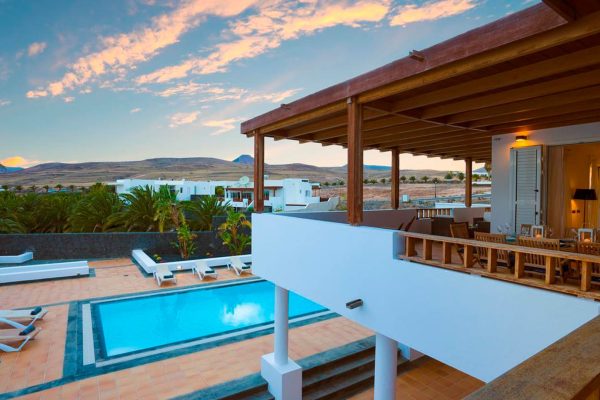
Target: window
(267, 194)
(247, 195)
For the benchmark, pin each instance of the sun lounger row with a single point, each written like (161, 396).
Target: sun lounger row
(162, 273)
(13, 339)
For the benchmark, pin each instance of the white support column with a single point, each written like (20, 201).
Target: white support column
(282, 373)
(386, 367)
(281, 325)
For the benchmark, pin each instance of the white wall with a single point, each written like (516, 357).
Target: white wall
(390, 219)
(501, 145)
(481, 326)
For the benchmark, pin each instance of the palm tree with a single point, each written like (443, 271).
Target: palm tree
(19, 188)
(5, 188)
(58, 187)
(200, 212)
(435, 181)
(449, 176)
(460, 176)
(33, 188)
(139, 211)
(168, 212)
(382, 180)
(46, 188)
(52, 213)
(94, 211)
(412, 179)
(425, 179)
(72, 188)
(233, 233)
(403, 179)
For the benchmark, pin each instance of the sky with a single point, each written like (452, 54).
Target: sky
(117, 80)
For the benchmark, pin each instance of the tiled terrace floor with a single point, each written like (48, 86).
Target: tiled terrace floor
(428, 379)
(42, 359)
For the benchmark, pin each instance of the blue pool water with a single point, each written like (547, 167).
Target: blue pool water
(143, 323)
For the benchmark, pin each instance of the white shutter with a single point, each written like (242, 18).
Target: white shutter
(526, 163)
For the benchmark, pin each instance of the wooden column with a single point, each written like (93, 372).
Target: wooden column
(468, 182)
(259, 173)
(395, 179)
(355, 163)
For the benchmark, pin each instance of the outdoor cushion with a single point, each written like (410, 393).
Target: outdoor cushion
(27, 330)
(36, 310)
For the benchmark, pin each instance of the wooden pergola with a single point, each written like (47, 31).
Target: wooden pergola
(535, 69)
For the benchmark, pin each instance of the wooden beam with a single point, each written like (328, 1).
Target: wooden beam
(395, 192)
(535, 71)
(562, 8)
(259, 172)
(355, 163)
(572, 82)
(525, 32)
(468, 182)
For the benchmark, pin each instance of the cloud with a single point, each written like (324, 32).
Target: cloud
(119, 53)
(4, 102)
(275, 97)
(223, 125)
(18, 161)
(135, 110)
(430, 11)
(179, 119)
(277, 21)
(34, 94)
(69, 99)
(36, 48)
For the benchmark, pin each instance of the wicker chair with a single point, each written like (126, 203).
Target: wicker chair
(535, 263)
(525, 230)
(504, 257)
(592, 248)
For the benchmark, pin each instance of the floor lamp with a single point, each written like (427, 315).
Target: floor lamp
(585, 195)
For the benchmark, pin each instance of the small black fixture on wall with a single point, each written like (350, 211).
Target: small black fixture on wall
(351, 305)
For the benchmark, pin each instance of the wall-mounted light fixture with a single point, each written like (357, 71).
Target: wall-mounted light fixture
(351, 305)
(521, 138)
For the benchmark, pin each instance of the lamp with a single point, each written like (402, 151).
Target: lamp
(521, 138)
(585, 195)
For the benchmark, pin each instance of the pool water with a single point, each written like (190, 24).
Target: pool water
(146, 322)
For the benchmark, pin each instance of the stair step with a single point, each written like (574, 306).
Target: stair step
(334, 370)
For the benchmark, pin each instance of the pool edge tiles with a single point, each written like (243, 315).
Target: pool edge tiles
(95, 351)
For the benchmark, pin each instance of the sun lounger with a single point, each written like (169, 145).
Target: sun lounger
(162, 273)
(18, 333)
(239, 266)
(202, 269)
(29, 314)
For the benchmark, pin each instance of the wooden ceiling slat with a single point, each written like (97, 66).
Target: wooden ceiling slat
(572, 82)
(446, 138)
(549, 120)
(545, 68)
(554, 100)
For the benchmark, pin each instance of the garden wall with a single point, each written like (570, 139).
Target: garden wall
(49, 246)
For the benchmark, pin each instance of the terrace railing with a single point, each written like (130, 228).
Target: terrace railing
(443, 259)
(437, 212)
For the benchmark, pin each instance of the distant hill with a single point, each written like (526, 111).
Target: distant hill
(195, 168)
(7, 170)
(244, 159)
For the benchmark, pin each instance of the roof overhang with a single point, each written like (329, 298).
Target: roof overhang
(531, 70)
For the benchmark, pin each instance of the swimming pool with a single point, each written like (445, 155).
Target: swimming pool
(142, 323)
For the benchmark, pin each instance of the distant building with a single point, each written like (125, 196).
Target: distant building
(280, 195)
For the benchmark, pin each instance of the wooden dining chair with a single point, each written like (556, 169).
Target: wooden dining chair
(504, 257)
(536, 263)
(460, 230)
(592, 248)
(525, 230)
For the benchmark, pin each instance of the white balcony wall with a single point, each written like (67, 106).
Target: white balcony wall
(481, 326)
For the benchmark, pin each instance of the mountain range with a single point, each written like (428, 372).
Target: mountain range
(195, 168)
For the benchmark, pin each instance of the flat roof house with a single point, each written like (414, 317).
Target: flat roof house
(522, 93)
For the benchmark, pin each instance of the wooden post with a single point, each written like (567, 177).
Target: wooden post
(586, 276)
(395, 179)
(468, 256)
(519, 265)
(446, 253)
(409, 251)
(427, 249)
(355, 163)
(468, 181)
(259, 172)
(549, 270)
(492, 260)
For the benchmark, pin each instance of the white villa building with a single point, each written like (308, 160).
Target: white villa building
(292, 194)
(522, 93)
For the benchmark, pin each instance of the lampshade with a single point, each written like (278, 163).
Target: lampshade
(585, 194)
